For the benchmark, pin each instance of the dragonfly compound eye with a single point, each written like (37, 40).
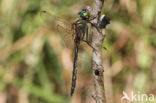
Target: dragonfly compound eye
(84, 14)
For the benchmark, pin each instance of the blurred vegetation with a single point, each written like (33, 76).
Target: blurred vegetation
(36, 68)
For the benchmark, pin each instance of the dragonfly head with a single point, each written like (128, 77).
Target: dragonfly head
(84, 14)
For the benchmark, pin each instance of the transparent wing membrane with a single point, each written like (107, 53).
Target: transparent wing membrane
(51, 18)
(62, 27)
(66, 36)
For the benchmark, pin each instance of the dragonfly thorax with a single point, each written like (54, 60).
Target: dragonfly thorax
(79, 30)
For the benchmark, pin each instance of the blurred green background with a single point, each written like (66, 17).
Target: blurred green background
(36, 68)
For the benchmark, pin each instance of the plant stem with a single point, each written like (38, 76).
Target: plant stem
(97, 40)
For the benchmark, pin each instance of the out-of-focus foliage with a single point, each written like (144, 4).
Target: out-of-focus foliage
(36, 68)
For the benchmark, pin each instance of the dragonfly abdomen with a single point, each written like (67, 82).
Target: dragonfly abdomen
(74, 70)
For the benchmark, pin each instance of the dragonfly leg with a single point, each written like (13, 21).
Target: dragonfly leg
(96, 26)
(89, 43)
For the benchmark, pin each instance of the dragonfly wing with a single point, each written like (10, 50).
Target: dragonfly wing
(52, 19)
(66, 36)
(61, 26)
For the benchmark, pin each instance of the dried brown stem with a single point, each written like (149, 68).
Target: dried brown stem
(97, 40)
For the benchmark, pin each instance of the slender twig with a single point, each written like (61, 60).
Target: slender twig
(97, 40)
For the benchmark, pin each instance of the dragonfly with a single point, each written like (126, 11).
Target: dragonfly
(79, 33)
